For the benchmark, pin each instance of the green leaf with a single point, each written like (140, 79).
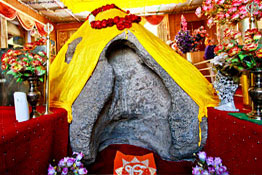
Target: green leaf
(19, 79)
(10, 72)
(41, 79)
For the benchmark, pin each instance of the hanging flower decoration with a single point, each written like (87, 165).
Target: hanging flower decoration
(199, 36)
(25, 62)
(120, 22)
(183, 40)
(228, 11)
(186, 42)
(233, 58)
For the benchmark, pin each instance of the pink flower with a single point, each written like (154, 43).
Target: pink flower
(218, 49)
(232, 9)
(208, 1)
(237, 35)
(257, 36)
(228, 46)
(16, 67)
(236, 2)
(220, 15)
(210, 22)
(198, 12)
(220, 2)
(235, 50)
(235, 16)
(3, 67)
(204, 7)
(250, 47)
(248, 40)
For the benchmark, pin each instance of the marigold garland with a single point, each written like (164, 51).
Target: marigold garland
(120, 22)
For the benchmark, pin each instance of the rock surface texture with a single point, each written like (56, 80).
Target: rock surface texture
(130, 99)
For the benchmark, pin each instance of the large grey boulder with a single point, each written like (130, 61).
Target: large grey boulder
(130, 99)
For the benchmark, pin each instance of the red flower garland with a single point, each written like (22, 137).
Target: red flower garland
(120, 22)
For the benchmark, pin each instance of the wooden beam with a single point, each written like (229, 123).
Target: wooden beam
(22, 8)
(4, 34)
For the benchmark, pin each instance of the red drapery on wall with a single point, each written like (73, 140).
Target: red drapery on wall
(28, 23)
(40, 28)
(154, 19)
(7, 11)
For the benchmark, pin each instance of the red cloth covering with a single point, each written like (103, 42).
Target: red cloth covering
(28, 147)
(237, 142)
(105, 161)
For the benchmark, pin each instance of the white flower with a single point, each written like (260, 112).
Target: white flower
(91, 18)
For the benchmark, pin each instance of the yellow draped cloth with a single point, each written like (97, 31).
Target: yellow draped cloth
(67, 80)
(88, 5)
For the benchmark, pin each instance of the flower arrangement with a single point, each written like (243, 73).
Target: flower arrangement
(120, 22)
(187, 42)
(208, 165)
(199, 36)
(233, 58)
(25, 62)
(69, 165)
(228, 11)
(184, 41)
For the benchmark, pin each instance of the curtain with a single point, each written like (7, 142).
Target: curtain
(27, 23)
(163, 29)
(7, 11)
(40, 27)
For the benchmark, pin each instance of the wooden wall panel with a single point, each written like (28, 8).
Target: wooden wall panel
(64, 31)
(175, 19)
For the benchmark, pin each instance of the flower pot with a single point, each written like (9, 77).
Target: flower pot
(33, 95)
(255, 93)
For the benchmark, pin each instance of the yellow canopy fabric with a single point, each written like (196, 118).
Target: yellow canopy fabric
(67, 80)
(89, 5)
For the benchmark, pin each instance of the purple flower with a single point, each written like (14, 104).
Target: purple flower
(62, 162)
(78, 163)
(222, 169)
(204, 172)
(70, 162)
(51, 170)
(64, 171)
(217, 161)
(82, 171)
(79, 156)
(196, 170)
(210, 161)
(202, 156)
(211, 170)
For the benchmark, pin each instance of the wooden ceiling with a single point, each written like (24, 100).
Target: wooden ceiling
(57, 12)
